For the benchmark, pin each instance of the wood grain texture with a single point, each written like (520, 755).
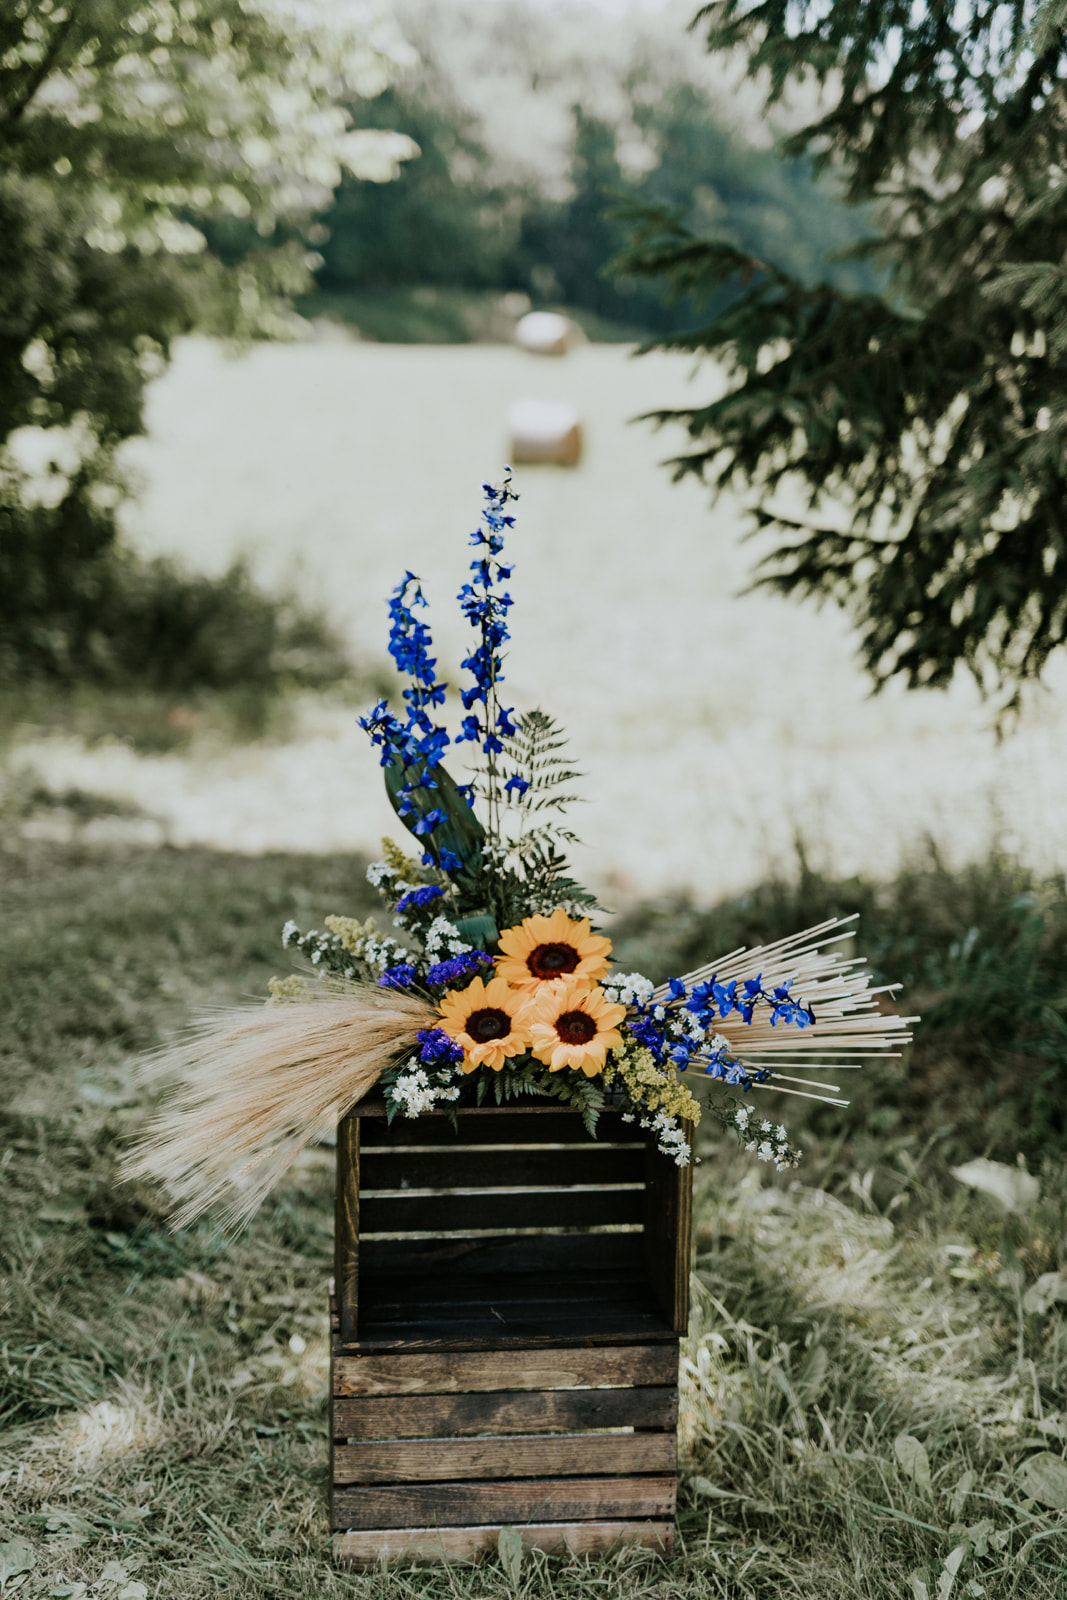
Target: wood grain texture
(668, 1231)
(384, 1168)
(455, 1544)
(444, 1213)
(346, 1228)
(544, 1330)
(501, 1255)
(482, 1371)
(453, 1416)
(468, 1294)
(527, 1500)
(568, 1455)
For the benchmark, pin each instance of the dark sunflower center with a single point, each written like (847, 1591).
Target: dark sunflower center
(575, 1027)
(552, 960)
(489, 1023)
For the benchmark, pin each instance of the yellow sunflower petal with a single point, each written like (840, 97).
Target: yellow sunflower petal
(583, 1043)
(544, 949)
(459, 1009)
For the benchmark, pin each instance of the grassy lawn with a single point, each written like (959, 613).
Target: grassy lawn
(875, 1389)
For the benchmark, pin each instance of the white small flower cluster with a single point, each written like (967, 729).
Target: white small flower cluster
(691, 1027)
(671, 1140)
(418, 1092)
(774, 1146)
(442, 939)
(627, 989)
(383, 877)
(316, 946)
(380, 953)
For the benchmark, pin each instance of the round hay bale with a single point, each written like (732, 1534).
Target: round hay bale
(545, 333)
(545, 431)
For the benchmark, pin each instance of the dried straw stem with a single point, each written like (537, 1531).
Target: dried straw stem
(256, 1084)
(848, 1022)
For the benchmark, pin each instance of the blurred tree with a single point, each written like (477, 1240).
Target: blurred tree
(123, 126)
(452, 220)
(443, 221)
(932, 411)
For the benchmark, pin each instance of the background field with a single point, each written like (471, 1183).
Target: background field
(712, 727)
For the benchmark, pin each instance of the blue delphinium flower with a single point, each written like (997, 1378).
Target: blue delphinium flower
(419, 742)
(485, 605)
(680, 1030)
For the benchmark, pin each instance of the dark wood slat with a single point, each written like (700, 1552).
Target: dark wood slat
(441, 1213)
(503, 1256)
(519, 1456)
(443, 1416)
(562, 1499)
(668, 1231)
(488, 1125)
(426, 1296)
(384, 1168)
(532, 1328)
(477, 1371)
(452, 1544)
(346, 1228)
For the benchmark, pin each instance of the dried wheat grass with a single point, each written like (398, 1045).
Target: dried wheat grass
(256, 1084)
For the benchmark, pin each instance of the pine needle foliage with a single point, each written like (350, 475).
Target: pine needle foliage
(932, 411)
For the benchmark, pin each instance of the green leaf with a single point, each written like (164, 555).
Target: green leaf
(461, 832)
(1050, 1289)
(1044, 1478)
(509, 1548)
(1010, 1187)
(15, 1558)
(481, 931)
(913, 1460)
(810, 1380)
(953, 1562)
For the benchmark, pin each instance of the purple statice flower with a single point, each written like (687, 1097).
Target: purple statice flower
(419, 897)
(438, 1048)
(448, 972)
(400, 976)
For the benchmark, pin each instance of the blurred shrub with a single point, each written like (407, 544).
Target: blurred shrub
(459, 216)
(981, 953)
(74, 606)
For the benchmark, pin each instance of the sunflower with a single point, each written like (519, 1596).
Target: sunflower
(572, 1024)
(488, 1020)
(545, 949)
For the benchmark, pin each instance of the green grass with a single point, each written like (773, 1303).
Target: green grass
(871, 1394)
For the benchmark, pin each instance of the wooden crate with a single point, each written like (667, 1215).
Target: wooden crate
(509, 1302)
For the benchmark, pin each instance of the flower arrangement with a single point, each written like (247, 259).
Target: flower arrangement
(500, 985)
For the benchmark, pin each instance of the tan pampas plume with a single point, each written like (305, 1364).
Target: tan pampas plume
(255, 1084)
(849, 1024)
